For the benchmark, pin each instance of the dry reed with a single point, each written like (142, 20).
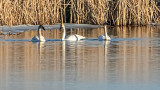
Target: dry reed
(117, 12)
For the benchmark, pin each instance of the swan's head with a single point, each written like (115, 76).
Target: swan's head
(62, 26)
(105, 24)
(41, 27)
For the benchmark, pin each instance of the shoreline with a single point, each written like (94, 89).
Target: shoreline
(23, 28)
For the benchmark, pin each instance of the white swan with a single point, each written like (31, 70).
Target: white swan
(39, 37)
(106, 37)
(74, 37)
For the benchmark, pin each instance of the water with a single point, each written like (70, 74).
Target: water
(130, 61)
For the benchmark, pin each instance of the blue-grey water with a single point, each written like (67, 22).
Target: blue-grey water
(130, 61)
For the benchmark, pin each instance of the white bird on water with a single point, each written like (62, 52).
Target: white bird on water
(39, 37)
(105, 36)
(74, 37)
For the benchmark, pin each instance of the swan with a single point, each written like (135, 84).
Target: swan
(74, 37)
(106, 37)
(39, 37)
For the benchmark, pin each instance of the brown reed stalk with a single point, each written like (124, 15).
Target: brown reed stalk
(116, 12)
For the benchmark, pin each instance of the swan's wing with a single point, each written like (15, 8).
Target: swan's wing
(74, 37)
(101, 37)
(79, 37)
(71, 37)
(35, 38)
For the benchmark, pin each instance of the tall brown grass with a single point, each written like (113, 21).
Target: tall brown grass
(14, 12)
(116, 12)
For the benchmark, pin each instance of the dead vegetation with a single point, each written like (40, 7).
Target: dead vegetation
(115, 12)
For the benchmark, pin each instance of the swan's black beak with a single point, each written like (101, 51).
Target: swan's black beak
(43, 28)
(40, 26)
(60, 28)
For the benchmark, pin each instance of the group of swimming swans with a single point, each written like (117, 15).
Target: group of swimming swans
(75, 37)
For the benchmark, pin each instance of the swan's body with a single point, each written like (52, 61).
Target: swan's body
(104, 37)
(74, 37)
(39, 37)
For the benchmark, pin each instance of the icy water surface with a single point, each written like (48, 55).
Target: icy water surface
(130, 61)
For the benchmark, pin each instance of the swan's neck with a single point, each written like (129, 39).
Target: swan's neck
(63, 33)
(105, 30)
(39, 33)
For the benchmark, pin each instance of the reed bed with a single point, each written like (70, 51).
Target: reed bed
(114, 12)
(14, 12)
